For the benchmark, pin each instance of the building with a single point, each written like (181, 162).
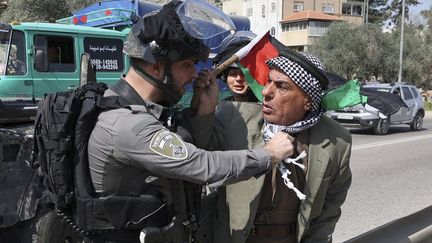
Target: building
(264, 15)
(296, 23)
(300, 29)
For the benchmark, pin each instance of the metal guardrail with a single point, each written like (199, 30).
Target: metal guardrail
(414, 228)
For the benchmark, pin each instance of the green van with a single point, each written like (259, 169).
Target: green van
(40, 58)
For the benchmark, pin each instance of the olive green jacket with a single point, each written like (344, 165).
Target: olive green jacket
(238, 125)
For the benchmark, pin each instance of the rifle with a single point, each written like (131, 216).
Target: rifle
(183, 225)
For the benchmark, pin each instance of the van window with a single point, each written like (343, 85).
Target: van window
(106, 55)
(407, 93)
(17, 55)
(60, 51)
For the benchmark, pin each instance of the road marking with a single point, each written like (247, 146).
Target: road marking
(402, 140)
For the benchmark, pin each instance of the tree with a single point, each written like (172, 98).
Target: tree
(395, 9)
(79, 4)
(217, 3)
(353, 50)
(381, 57)
(356, 51)
(35, 10)
(382, 10)
(3, 6)
(28, 10)
(376, 15)
(426, 47)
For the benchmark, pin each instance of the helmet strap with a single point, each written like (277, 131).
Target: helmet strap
(165, 85)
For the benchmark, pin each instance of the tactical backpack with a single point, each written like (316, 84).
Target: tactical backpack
(62, 119)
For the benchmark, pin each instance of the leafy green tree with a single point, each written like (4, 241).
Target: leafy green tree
(381, 57)
(426, 48)
(376, 15)
(338, 57)
(382, 10)
(356, 51)
(35, 10)
(75, 5)
(217, 3)
(3, 6)
(394, 9)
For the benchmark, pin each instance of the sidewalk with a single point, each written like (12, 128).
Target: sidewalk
(428, 115)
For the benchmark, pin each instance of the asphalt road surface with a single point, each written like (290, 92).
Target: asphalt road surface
(392, 178)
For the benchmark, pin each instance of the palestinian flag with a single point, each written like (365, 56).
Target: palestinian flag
(252, 59)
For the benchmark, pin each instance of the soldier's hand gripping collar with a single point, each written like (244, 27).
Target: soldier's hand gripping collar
(160, 35)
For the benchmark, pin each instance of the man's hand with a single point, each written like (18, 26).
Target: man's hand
(206, 92)
(280, 147)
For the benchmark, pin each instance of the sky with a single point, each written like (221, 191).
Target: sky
(424, 4)
(414, 14)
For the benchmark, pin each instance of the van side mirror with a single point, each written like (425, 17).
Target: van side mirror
(41, 61)
(87, 73)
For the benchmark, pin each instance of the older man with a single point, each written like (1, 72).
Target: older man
(300, 201)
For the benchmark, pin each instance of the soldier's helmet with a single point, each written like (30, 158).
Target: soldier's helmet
(161, 35)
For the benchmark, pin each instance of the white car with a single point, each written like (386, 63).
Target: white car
(376, 115)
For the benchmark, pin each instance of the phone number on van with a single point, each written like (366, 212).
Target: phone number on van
(107, 64)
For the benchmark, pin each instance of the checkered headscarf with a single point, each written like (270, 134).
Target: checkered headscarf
(308, 83)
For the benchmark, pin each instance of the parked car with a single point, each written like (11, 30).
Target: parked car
(384, 110)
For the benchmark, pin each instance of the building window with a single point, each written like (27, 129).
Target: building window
(273, 7)
(249, 12)
(272, 31)
(298, 6)
(355, 9)
(318, 28)
(294, 26)
(328, 8)
(263, 11)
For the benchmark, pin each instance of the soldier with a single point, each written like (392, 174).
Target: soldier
(133, 150)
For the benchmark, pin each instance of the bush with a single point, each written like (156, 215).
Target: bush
(428, 106)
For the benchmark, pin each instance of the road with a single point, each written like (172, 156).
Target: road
(392, 178)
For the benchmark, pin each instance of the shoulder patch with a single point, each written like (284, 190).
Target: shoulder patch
(168, 145)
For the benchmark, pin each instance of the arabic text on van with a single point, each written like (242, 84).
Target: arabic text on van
(102, 48)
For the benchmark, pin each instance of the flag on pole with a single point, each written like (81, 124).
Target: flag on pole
(252, 59)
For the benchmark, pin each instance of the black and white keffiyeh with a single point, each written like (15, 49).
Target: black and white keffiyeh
(309, 84)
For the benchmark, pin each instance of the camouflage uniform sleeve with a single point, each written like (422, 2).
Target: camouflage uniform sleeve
(145, 143)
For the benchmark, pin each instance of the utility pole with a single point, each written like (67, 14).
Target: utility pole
(401, 42)
(366, 11)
